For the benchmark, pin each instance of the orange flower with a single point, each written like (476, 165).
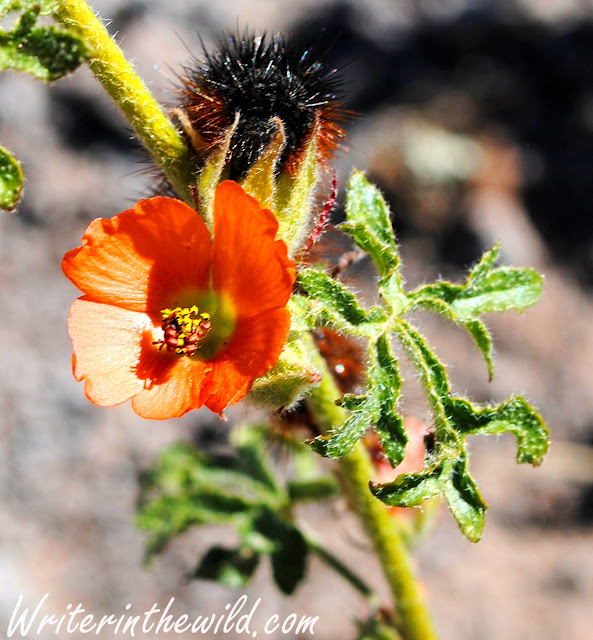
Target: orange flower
(171, 318)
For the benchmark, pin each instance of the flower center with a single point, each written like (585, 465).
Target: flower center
(184, 330)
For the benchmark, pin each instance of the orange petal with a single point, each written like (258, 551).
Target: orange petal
(176, 395)
(253, 351)
(248, 263)
(108, 343)
(136, 259)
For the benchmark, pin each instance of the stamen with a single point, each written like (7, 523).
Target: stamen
(184, 329)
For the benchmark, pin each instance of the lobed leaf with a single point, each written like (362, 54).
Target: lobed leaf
(11, 180)
(377, 407)
(337, 305)
(515, 416)
(47, 53)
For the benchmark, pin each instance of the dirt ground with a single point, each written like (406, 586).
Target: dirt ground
(476, 120)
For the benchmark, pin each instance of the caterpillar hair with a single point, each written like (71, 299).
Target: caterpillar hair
(261, 78)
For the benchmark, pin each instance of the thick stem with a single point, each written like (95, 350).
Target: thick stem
(121, 82)
(382, 529)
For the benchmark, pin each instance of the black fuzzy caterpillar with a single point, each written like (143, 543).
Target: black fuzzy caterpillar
(261, 78)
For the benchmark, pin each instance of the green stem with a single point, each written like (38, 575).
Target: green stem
(385, 533)
(121, 82)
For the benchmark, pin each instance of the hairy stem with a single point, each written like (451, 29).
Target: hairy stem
(121, 82)
(385, 533)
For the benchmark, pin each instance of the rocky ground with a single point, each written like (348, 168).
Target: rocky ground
(476, 119)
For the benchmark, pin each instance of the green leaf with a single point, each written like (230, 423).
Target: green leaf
(378, 407)
(383, 256)
(170, 515)
(46, 7)
(476, 328)
(187, 488)
(47, 53)
(333, 303)
(11, 180)
(502, 289)
(486, 289)
(289, 557)
(232, 568)
(515, 416)
(411, 489)
(465, 501)
(366, 206)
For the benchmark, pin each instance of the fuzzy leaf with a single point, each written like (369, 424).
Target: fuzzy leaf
(476, 328)
(188, 488)
(378, 407)
(465, 501)
(515, 416)
(232, 568)
(486, 289)
(336, 305)
(47, 53)
(11, 180)
(366, 206)
(46, 7)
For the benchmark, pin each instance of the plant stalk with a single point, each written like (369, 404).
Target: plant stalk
(385, 533)
(114, 72)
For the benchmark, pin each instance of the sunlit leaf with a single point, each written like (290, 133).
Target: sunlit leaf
(11, 180)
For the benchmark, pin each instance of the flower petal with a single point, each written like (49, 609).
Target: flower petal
(247, 262)
(175, 396)
(139, 257)
(108, 346)
(253, 350)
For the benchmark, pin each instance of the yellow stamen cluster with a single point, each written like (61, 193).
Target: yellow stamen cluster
(184, 329)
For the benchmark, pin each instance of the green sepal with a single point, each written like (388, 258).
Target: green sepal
(260, 181)
(331, 303)
(233, 568)
(290, 550)
(515, 416)
(48, 53)
(295, 197)
(11, 180)
(211, 176)
(287, 381)
(377, 407)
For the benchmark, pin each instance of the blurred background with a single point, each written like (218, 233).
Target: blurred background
(476, 120)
